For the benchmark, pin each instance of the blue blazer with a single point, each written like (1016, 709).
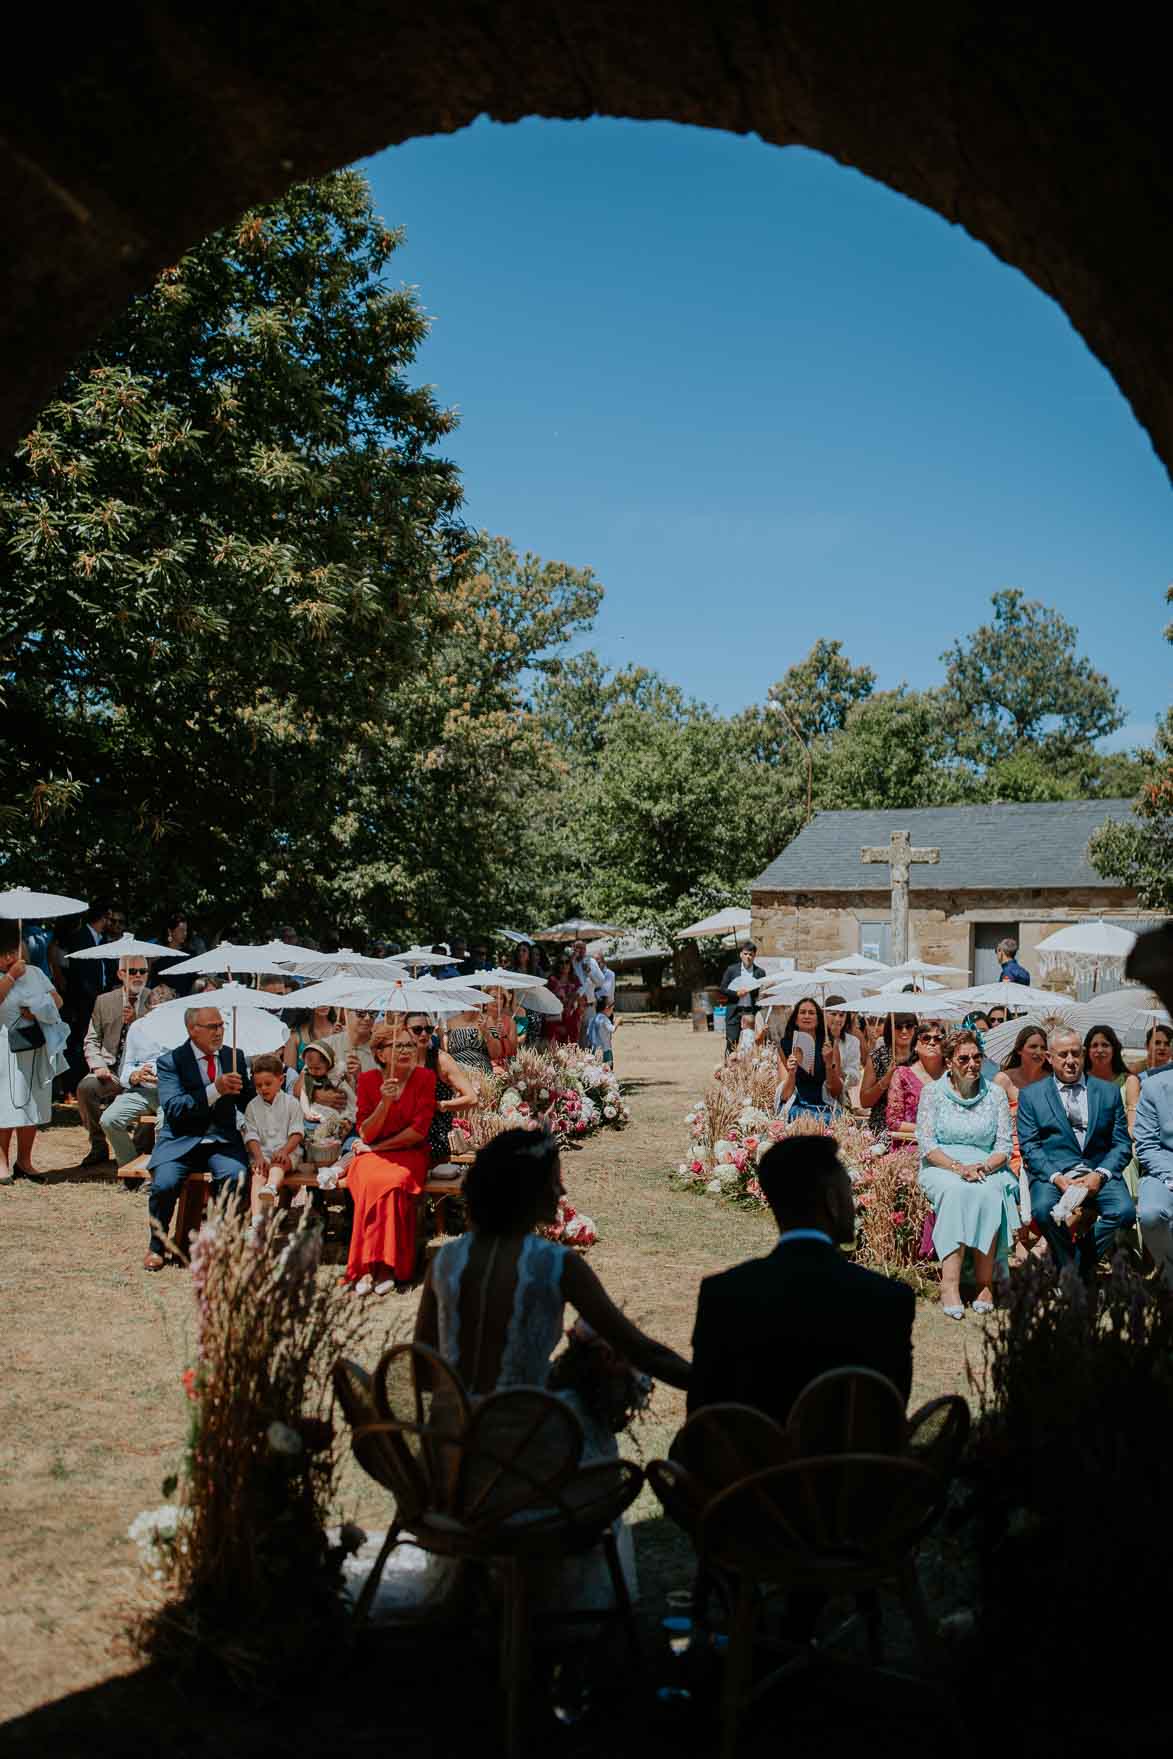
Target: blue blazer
(1049, 1144)
(185, 1117)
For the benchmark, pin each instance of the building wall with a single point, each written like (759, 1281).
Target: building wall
(816, 926)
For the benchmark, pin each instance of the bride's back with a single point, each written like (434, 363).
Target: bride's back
(499, 1308)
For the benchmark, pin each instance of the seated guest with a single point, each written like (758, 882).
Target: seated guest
(809, 1065)
(1024, 1065)
(498, 1028)
(836, 1021)
(201, 1087)
(352, 1046)
(963, 1131)
(114, 1014)
(456, 1089)
(320, 1089)
(274, 1130)
(138, 1086)
(396, 1106)
(766, 1328)
(85, 980)
(1154, 1155)
(909, 1080)
(1158, 1054)
(1074, 1138)
(891, 1047)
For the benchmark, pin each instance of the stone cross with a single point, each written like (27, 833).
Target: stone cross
(899, 856)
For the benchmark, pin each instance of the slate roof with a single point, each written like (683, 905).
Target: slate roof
(1004, 848)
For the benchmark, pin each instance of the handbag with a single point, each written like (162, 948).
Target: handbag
(25, 1036)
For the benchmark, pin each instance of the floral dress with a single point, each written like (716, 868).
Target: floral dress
(968, 1213)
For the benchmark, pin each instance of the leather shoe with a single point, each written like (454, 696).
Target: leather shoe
(153, 1261)
(99, 1156)
(29, 1173)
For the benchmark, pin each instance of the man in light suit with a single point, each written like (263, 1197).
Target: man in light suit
(113, 1014)
(766, 1328)
(201, 1089)
(1072, 1130)
(1153, 1134)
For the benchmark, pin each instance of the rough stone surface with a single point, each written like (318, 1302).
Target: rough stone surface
(130, 133)
(815, 926)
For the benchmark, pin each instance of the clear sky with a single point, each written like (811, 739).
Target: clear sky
(768, 400)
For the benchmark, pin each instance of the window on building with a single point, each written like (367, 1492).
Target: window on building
(875, 940)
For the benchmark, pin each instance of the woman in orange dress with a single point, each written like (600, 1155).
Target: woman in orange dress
(396, 1105)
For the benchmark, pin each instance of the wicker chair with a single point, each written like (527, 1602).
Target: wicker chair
(847, 1411)
(840, 1524)
(498, 1481)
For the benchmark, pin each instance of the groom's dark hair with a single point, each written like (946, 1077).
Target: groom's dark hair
(794, 1175)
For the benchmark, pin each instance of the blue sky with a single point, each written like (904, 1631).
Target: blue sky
(768, 400)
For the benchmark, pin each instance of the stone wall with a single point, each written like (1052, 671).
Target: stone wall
(812, 927)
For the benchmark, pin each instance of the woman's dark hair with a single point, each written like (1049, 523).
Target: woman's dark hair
(818, 1072)
(174, 920)
(506, 1181)
(1119, 1066)
(432, 1059)
(1014, 1060)
(891, 1022)
(10, 938)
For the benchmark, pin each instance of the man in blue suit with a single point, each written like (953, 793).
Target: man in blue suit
(1072, 1130)
(202, 1086)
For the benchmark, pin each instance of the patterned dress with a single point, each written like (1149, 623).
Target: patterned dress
(466, 1046)
(968, 1213)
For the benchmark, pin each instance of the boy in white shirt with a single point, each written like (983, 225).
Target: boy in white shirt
(273, 1130)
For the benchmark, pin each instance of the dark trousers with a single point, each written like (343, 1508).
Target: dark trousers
(213, 1157)
(1114, 1209)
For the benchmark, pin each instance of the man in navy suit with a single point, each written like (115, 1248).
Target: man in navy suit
(1072, 1130)
(201, 1089)
(766, 1328)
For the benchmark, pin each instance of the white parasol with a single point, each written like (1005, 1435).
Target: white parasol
(418, 958)
(498, 978)
(723, 922)
(515, 935)
(917, 969)
(228, 958)
(1017, 997)
(940, 1006)
(857, 965)
(19, 905)
(1088, 949)
(542, 1001)
(578, 928)
(251, 1029)
(322, 966)
(896, 986)
(126, 946)
(787, 987)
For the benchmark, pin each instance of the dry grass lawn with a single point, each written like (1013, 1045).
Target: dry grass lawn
(93, 1413)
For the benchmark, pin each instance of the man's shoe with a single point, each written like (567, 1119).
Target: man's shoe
(99, 1156)
(153, 1261)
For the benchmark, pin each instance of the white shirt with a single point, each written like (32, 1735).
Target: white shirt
(1068, 1089)
(604, 982)
(588, 977)
(340, 1044)
(143, 1047)
(273, 1125)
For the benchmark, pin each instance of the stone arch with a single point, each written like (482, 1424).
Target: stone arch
(137, 132)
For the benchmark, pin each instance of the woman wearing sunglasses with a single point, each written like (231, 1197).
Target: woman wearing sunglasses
(910, 1079)
(963, 1129)
(891, 1049)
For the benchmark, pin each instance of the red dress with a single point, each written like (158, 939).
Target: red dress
(384, 1184)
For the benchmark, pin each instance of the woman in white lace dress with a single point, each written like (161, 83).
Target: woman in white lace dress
(494, 1300)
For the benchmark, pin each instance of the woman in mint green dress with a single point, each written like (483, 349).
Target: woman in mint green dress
(963, 1130)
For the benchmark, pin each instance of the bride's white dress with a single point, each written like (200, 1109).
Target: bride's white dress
(415, 1580)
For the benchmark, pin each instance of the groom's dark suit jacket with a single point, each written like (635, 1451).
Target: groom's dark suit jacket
(766, 1328)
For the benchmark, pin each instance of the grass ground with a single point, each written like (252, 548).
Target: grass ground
(92, 1413)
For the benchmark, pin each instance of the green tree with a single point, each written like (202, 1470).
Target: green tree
(1019, 683)
(225, 537)
(817, 694)
(892, 751)
(1141, 854)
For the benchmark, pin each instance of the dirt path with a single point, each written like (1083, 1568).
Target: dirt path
(93, 1413)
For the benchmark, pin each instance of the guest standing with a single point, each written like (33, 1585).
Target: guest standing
(739, 1002)
(176, 931)
(1006, 954)
(396, 1107)
(32, 1046)
(963, 1129)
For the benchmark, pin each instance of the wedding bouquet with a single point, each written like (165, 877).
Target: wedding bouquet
(609, 1388)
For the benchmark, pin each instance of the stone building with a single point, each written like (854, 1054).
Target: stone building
(1018, 870)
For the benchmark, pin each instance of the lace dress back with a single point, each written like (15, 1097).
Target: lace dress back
(535, 1322)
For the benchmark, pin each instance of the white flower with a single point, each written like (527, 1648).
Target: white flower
(725, 1149)
(715, 1187)
(609, 1112)
(283, 1440)
(543, 1093)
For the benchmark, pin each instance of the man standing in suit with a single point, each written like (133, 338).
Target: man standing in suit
(113, 1014)
(765, 1329)
(738, 1002)
(1072, 1130)
(201, 1089)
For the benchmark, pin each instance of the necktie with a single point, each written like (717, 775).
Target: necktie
(211, 1071)
(1073, 1104)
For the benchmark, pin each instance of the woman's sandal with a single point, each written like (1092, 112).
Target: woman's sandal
(953, 1312)
(983, 1306)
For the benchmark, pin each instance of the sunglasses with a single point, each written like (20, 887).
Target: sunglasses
(906, 1025)
(420, 1031)
(931, 1038)
(361, 1014)
(966, 1057)
(136, 971)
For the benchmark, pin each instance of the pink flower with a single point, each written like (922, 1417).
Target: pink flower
(898, 1216)
(697, 1166)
